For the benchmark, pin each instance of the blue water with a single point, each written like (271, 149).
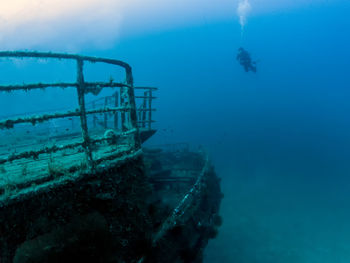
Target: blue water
(280, 138)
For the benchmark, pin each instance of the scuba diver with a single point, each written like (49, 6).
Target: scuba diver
(245, 60)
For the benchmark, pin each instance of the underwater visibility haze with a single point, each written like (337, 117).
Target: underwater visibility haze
(277, 130)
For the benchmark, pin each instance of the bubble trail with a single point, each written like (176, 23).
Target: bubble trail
(243, 9)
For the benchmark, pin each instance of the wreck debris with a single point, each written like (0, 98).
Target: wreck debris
(62, 192)
(126, 107)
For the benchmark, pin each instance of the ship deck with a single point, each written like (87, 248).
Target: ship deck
(27, 171)
(109, 119)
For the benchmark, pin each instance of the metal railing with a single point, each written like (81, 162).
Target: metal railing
(144, 109)
(127, 107)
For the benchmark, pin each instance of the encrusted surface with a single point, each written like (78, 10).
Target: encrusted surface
(39, 225)
(129, 213)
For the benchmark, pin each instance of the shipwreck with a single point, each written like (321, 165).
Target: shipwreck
(78, 184)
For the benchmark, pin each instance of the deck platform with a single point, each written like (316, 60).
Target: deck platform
(42, 146)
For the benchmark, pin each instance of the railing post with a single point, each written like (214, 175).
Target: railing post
(124, 104)
(105, 122)
(144, 107)
(132, 122)
(150, 109)
(116, 104)
(83, 121)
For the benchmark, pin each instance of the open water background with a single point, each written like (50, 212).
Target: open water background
(280, 138)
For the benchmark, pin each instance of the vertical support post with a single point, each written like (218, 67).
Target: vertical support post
(150, 109)
(123, 103)
(94, 116)
(116, 104)
(144, 107)
(105, 122)
(139, 113)
(83, 120)
(132, 122)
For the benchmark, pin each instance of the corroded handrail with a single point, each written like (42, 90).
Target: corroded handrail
(127, 107)
(33, 54)
(144, 110)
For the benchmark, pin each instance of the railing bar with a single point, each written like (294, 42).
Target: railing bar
(102, 139)
(30, 113)
(96, 100)
(147, 121)
(107, 84)
(152, 88)
(147, 110)
(88, 86)
(144, 97)
(45, 117)
(52, 149)
(63, 56)
(35, 154)
(27, 87)
(108, 109)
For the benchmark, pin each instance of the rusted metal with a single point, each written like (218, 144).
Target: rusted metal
(147, 109)
(150, 107)
(132, 113)
(90, 87)
(146, 88)
(28, 87)
(144, 106)
(83, 121)
(144, 97)
(105, 85)
(116, 104)
(94, 117)
(25, 54)
(142, 115)
(105, 114)
(9, 123)
(124, 102)
(146, 121)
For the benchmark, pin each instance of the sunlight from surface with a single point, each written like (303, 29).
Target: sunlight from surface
(71, 25)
